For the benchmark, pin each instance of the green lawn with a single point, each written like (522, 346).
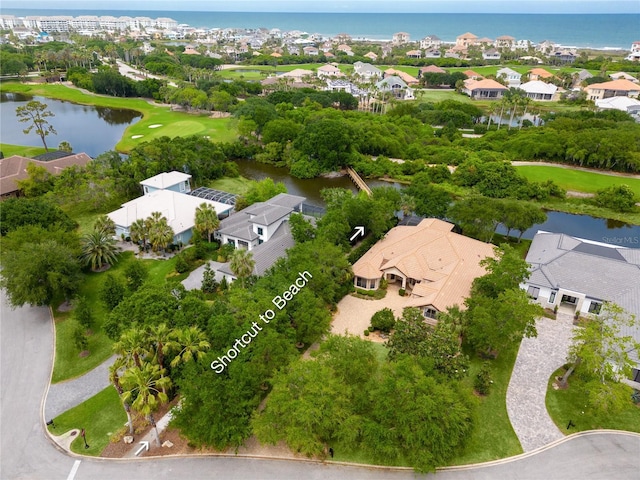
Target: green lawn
(101, 416)
(237, 185)
(493, 436)
(171, 124)
(8, 150)
(565, 405)
(576, 180)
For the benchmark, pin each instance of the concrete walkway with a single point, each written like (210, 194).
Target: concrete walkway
(194, 280)
(65, 395)
(537, 359)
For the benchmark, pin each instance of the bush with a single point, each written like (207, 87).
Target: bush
(617, 197)
(79, 338)
(366, 332)
(383, 320)
(482, 382)
(182, 266)
(209, 283)
(112, 291)
(82, 313)
(401, 292)
(135, 273)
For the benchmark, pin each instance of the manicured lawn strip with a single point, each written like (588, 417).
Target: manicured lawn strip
(237, 185)
(493, 437)
(576, 180)
(24, 151)
(439, 95)
(67, 363)
(569, 404)
(160, 269)
(174, 124)
(100, 416)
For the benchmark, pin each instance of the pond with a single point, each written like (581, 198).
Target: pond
(89, 129)
(583, 226)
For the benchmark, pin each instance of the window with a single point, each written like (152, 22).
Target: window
(260, 241)
(569, 299)
(533, 292)
(183, 186)
(231, 241)
(361, 282)
(552, 297)
(595, 307)
(429, 312)
(243, 244)
(372, 284)
(260, 231)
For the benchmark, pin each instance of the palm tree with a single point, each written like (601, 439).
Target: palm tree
(133, 345)
(143, 390)
(161, 337)
(114, 377)
(192, 343)
(98, 250)
(206, 220)
(105, 225)
(159, 231)
(242, 264)
(139, 233)
(524, 101)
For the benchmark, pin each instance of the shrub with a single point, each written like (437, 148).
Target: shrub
(135, 273)
(617, 197)
(182, 266)
(366, 332)
(383, 320)
(482, 382)
(79, 338)
(82, 313)
(209, 283)
(401, 292)
(112, 291)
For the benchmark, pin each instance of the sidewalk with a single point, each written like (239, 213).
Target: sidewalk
(537, 359)
(65, 395)
(150, 437)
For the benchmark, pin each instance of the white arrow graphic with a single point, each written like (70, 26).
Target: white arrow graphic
(145, 447)
(359, 233)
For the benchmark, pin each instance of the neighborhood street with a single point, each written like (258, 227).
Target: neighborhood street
(26, 341)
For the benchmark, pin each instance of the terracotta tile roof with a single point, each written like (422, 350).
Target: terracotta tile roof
(445, 263)
(621, 84)
(14, 168)
(432, 69)
(541, 72)
(484, 84)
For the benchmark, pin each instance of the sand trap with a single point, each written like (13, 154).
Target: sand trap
(137, 136)
(155, 125)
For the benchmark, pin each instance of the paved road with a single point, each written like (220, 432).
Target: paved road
(26, 341)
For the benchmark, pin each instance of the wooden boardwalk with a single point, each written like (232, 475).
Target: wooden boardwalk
(360, 183)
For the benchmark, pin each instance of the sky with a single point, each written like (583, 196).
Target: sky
(373, 6)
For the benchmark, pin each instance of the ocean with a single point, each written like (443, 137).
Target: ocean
(614, 31)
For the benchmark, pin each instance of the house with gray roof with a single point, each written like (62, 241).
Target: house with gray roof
(366, 71)
(578, 275)
(259, 222)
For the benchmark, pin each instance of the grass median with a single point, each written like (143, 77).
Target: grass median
(157, 120)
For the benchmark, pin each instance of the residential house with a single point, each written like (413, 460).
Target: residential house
(491, 54)
(634, 55)
(430, 42)
(484, 89)
(259, 222)
(466, 40)
(342, 38)
(623, 75)
(366, 71)
(345, 86)
(329, 70)
(190, 50)
(578, 275)
(510, 76)
(430, 69)
(298, 74)
(539, 74)
(456, 51)
(371, 56)
(179, 208)
(484, 42)
(580, 77)
(545, 46)
(400, 38)
(433, 53)
(14, 168)
(310, 51)
(408, 79)
(344, 48)
(434, 265)
(624, 104)
(563, 57)
(614, 88)
(473, 75)
(396, 86)
(414, 54)
(540, 91)
(174, 181)
(506, 41)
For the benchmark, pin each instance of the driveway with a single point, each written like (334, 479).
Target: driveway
(194, 280)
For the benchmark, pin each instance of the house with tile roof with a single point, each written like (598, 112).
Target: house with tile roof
(505, 41)
(625, 75)
(14, 168)
(539, 74)
(466, 40)
(400, 38)
(433, 264)
(484, 89)
(578, 275)
(430, 42)
(329, 70)
(408, 79)
(414, 54)
(473, 75)
(430, 69)
(614, 88)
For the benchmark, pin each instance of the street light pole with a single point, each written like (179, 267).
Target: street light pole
(84, 437)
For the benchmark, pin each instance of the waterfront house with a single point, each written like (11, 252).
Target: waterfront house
(434, 265)
(614, 88)
(400, 38)
(562, 57)
(578, 275)
(491, 54)
(486, 89)
(624, 104)
(505, 41)
(634, 55)
(466, 40)
(540, 91)
(174, 181)
(414, 54)
(510, 76)
(430, 42)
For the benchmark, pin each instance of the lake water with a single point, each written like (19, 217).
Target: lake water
(89, 129)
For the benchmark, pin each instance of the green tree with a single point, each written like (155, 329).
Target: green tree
(620, 198)
(98, 250)
(114, 377)
(191, 344)
(242, 264)
(82, 313)
(506, 270)
(135, 273)
(209, 283)
(301, 228)
(133, 346)
(143, 390)
(17, 212)
(65, 146)
(79, 337)
(328, 142)
(206, 221)
(36, 113)
(105, 225)
(601, 350)
(139, 233)
(38, 273)
(112, 291)
(38, 182)
(383, 320)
